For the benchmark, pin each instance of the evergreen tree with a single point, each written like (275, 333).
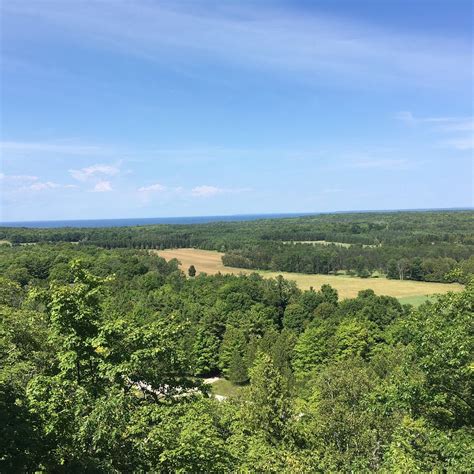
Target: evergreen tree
(237, 371)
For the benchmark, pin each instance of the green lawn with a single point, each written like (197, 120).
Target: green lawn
(225, 388)
(417, 300)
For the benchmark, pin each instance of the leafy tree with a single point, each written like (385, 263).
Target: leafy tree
(192, 271)
(237, 371)
(74, 312)
(441, 336)
(10, 292)
(205, 352)
(328, 294)
(266, 408)
(312, 349)
(234, 339)
(295, 317)
(352, 339)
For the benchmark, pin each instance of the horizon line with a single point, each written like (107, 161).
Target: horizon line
(264, 215)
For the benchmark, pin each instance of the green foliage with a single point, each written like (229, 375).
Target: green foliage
(205, 352)
(10, 292)
(312, 349)
(266, 408)
(237, 372)
(352, 339)
(192, 271)
(442, 338)
(101, 357)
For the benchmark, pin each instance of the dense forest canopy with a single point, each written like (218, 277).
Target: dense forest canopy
(104, 355)
(417, 245)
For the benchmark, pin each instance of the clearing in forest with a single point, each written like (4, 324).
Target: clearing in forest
(210, 262)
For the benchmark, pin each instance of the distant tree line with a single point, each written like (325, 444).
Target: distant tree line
(427, 246)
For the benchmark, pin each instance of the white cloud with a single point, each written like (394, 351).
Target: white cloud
(43, 186)
(102, 187)
(202, 191)
(23, 183)
(206, 191)
(21, 178)
(91, 172)
(152, 188)
(210, 191)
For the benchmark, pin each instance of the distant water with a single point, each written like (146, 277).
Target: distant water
(146, 221)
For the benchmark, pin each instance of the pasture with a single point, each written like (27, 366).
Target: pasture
(210, 262)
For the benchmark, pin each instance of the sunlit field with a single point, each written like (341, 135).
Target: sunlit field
(414, 292)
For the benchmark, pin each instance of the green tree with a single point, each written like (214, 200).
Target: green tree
(311, 349)
(237, 372)
(442, 342)
(352, 339)
(295, 317)
(266, 408)
(74, 312)
(205, 352)
(192, 271)
(10, 292)
(234, 339)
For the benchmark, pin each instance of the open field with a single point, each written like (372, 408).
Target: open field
(208, 261)
(225, 388)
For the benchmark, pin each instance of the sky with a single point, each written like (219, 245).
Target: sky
(116, 109)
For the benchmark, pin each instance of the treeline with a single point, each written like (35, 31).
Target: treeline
(102, 354)
(441, 262)
(428, 246)
(422, 227)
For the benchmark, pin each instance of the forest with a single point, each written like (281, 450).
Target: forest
(105, 353)
(435, 246)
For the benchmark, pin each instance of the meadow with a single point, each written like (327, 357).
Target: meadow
(408, 291)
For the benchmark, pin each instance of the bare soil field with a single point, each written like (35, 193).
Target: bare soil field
(210, 262)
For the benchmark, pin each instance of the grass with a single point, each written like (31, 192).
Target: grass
(416, 300)
(210, 262)
(225, 388)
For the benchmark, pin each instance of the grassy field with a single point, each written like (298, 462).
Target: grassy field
(225, 388)
(210, 262)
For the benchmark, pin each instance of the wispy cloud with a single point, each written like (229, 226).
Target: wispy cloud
(259, 37)
(24, 183)
(462, 127)
(153, 188)
(206, 191)
(102, 187)
(50, 147)
(91, 172)
(44, 186)
(21, 178)
(202, 191)
(463, 144)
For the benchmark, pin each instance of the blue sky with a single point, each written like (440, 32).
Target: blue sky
(146, 109)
